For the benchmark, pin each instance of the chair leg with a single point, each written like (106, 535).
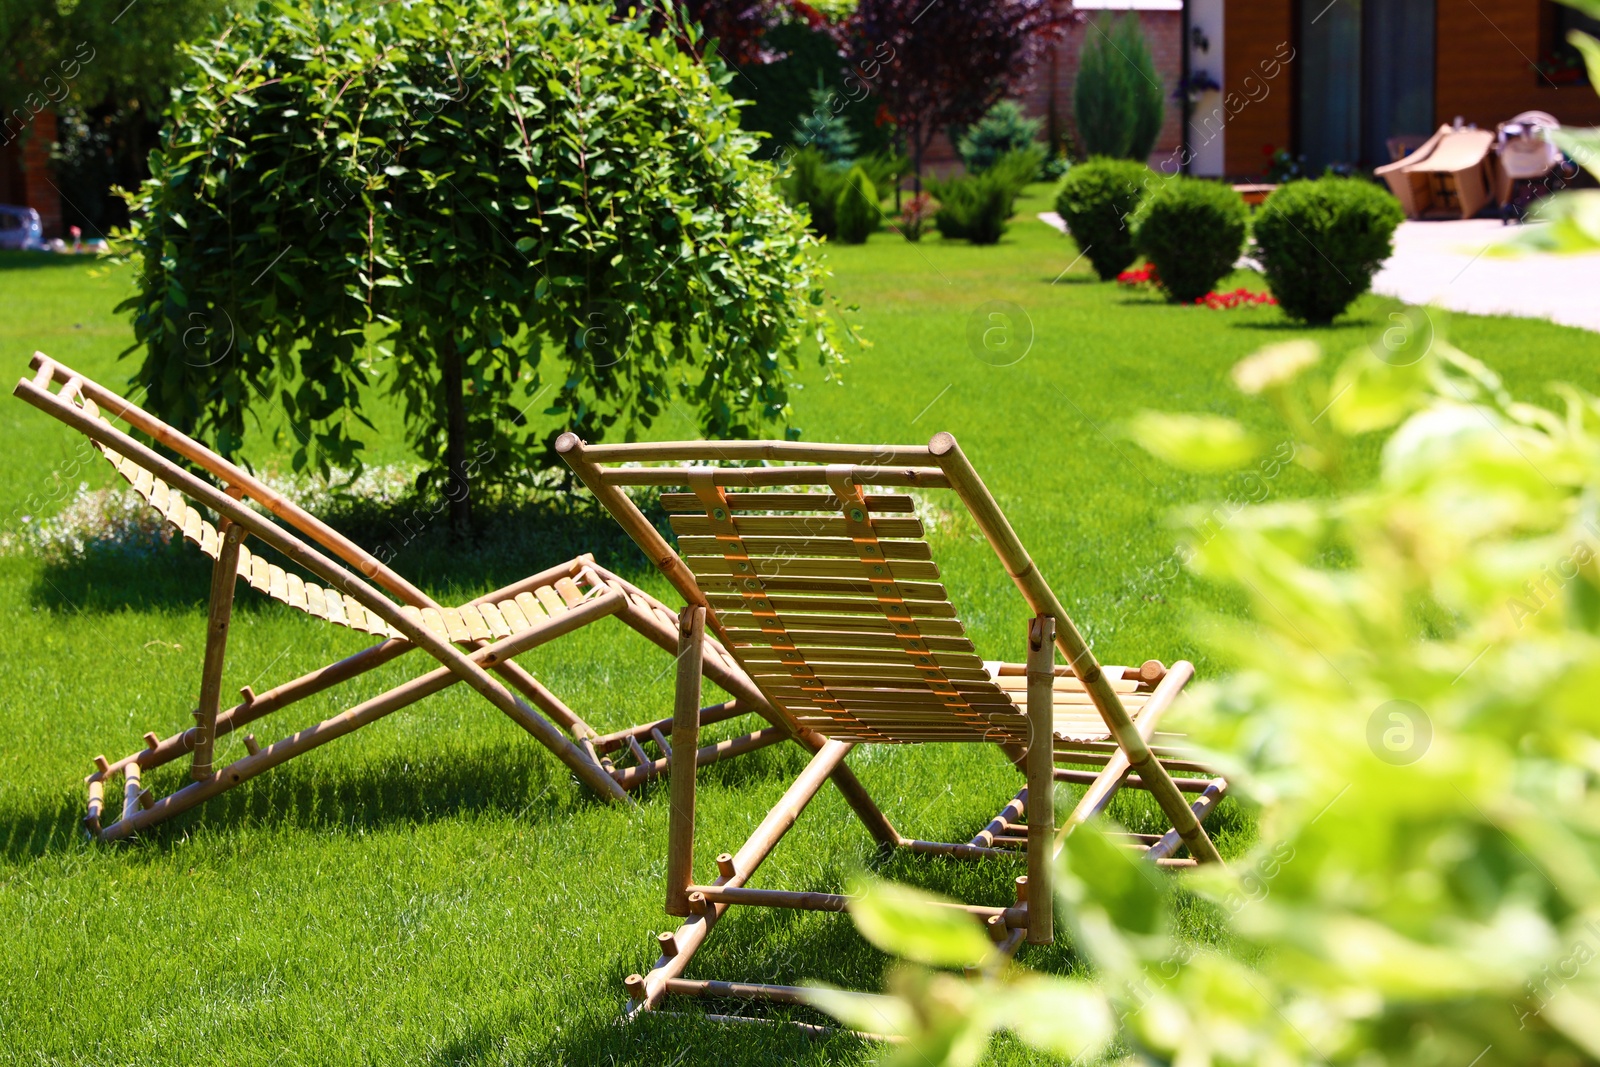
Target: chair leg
(1041, 779)
(224, 576)
(684, 758)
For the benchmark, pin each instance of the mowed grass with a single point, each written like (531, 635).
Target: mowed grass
(435, 888)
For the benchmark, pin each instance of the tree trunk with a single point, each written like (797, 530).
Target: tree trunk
(458, 490)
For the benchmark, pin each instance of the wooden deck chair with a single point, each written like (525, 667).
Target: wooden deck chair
(816, 578)
(476, 642)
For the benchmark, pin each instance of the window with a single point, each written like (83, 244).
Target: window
(1559, 62)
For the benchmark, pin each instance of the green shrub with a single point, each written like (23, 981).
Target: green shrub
(856, 211)
(1004, 128)
(1014, 170)
(975, 208)
(1097, 199)
(1118, 99)
(354, 185)
(815, 184)
(1320, 242)
(1192, 230)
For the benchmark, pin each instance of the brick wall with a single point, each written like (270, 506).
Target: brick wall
(1484, 72)
(39, 189)
(1057, 72)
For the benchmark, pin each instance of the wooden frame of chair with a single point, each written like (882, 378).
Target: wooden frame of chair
(831, 603)
(490, 630)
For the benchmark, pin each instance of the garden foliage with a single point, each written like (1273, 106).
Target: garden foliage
(487, 209)
(1003, 128)
(1414, 703)
(976, 207)
(944, 65)
(1118, 99)
(1320, 242)
(857, 211)
(1192, 230)
(814, 183)
(1097, 200)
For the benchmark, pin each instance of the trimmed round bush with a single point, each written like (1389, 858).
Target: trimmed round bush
(856, 212)
(1321, 242)
(1097, 200)
(1192, 231)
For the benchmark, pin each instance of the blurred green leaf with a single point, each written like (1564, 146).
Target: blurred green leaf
(1200, 443)
(910, 923)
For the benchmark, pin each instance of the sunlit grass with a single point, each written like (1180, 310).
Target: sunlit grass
(435, 889)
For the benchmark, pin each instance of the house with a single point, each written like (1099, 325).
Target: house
(25, 172)
(1333, 80)
(1347, 81)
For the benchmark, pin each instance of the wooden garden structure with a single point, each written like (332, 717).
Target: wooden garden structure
(476, 642)
(809, 565)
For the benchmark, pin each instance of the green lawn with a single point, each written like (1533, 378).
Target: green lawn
(435, 889)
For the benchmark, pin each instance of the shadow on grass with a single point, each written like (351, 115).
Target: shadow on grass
(396, 790)
(1294, 326)
(508, 543)
(22, 261)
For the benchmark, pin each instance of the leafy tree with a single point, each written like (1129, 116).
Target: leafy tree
(944, 64)
(1118, 100)
(1414, 703)
(481, 207)
(734, 30)
(84, 52)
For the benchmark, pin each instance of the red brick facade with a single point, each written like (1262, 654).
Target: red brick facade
(1052, 81)
(1054, 78)
(25, 173)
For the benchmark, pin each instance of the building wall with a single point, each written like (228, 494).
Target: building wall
(1483, 73)
(1258, 109)
(1057, 73)
(1485, 68)
(25, 171)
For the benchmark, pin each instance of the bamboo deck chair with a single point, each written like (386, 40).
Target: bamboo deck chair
(816, 577)
(476, 642)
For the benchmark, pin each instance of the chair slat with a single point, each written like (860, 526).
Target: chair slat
(843, 623)
(786, 526)
(498, 627)
(786, 547)
(550, 600)
(511, 611)
(921, 609)
(839, 586)
(812, 568)
(823, 502)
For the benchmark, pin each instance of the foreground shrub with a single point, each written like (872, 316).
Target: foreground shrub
(1118, 99)
(407, 174)
(1003, 128)
(1320, 242)
(856, 211)
(1097, 200)
(1414, 703)
(1193, 231)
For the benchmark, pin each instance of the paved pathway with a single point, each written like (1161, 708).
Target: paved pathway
(1444, 263)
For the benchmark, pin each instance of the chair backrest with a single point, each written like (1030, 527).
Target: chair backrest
(86, 394)
(821, 583)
